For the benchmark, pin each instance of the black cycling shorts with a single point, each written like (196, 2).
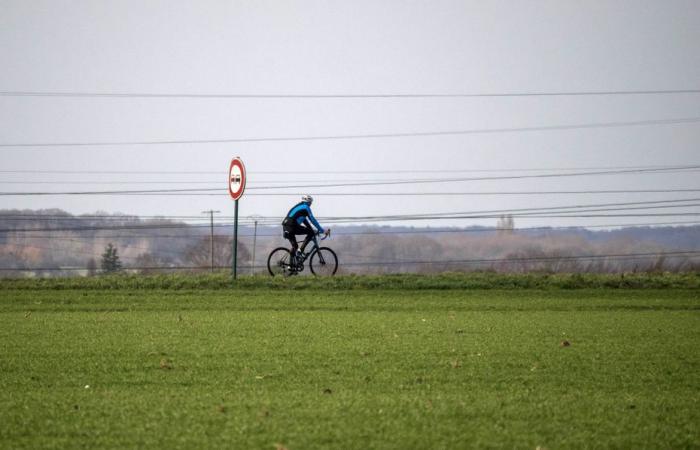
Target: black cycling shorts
(291, 228)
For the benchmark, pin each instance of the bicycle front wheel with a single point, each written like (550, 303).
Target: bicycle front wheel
(324, 262)
(278, 263)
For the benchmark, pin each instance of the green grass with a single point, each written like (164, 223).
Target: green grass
(471, 280)
(348, 368)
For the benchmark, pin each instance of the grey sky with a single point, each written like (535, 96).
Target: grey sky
(341, 47)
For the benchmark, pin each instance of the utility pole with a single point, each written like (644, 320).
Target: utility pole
(255, 218)
(211, 234)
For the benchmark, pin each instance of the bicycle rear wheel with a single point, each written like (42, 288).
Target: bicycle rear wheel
(278, 263)
(324, 262)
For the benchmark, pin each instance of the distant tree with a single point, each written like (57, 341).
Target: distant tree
(110, 260)
(148, 263)
(505, 224)
(199, 254)
(92, 267)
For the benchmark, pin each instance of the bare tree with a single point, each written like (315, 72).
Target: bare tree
(148, 263)
(91, 267)
(505, 224)
(199, 255)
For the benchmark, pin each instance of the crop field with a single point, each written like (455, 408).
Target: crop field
(294, 365)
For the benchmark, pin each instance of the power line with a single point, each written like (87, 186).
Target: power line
(536, 213)
(438, 194)
(117, 172)
(391, 232)
(397, 194)
(684, 120)
(269, 183)
(584, 207)
(84, 94)
(371, 183)
(417, 194)
(109, 182)
(405, 171)
(489, 178)
(423, 194)
(355, 181)
(578, 211)
(336, 172)
(522, 216)
(568, 209)
(517, 212)
(154, 218)
(13, 216)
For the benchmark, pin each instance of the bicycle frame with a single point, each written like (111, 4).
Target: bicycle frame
(307, 241)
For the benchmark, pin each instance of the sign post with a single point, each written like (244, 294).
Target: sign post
(236, 186)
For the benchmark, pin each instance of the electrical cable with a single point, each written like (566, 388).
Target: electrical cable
(474, 229)
(362, 220)
(400, 182)
(333, 172)
(581, 126)
(152, 95)
(35, 216)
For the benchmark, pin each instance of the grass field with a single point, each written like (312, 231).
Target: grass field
(303, 368)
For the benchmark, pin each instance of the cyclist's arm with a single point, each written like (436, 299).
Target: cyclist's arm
(315, 222)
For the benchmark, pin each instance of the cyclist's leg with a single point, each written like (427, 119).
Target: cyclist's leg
(309, 235)
(289, 234)
(294, 230)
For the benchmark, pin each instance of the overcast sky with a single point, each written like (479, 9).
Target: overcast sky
(348, 47)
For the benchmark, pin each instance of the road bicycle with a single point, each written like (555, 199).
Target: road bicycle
(322, 260)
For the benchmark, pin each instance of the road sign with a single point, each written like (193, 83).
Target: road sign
(236, 186)
(236, 178)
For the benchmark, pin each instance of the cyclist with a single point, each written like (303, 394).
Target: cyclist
(297, 223)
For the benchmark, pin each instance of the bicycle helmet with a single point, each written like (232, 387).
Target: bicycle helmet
(307, 198)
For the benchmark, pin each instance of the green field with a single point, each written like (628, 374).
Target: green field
(297, 365)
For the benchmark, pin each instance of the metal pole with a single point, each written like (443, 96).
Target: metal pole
(211, 235)
(211, 238)
(255, 237)
(235, 239)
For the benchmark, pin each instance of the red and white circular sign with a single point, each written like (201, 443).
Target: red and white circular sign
(236, 178)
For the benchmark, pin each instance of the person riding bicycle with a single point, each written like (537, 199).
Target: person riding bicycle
(297, 222)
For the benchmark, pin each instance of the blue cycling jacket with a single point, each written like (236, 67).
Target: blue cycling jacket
(300, 212)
